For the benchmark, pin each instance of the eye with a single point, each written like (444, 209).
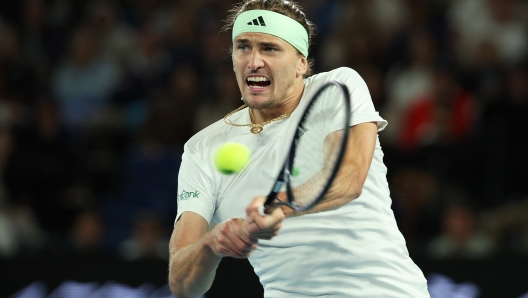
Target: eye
(270, 49)
(242, 47)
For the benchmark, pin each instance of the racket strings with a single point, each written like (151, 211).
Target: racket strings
(316, 153)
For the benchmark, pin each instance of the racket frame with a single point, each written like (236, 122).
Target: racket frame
(284, 174)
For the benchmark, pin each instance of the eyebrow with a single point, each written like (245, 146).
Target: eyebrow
(266, 44)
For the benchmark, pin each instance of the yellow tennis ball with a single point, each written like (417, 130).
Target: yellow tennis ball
(231, 158)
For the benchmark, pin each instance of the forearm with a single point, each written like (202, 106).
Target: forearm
(353, 172)
(331, 202)
(346, 187)
(192, 270)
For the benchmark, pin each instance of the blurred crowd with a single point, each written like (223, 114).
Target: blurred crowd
(98, 97)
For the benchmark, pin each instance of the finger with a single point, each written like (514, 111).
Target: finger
(281, 197)
(254, 210)
(255, 205)
(277, 213)
(268, 236)
(268, 233)
(223, 247)
(269, 209)
(268, 222)
(238, 236)
(228, 242)
(261, 231)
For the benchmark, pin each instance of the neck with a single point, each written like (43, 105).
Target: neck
(286, 106)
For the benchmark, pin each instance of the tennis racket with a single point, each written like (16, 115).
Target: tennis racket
(316, 151)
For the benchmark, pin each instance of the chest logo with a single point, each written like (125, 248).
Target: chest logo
(185, 195)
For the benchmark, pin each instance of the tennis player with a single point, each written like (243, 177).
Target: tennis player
(349, 246)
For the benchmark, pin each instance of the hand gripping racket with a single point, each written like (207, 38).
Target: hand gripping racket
(316, 151)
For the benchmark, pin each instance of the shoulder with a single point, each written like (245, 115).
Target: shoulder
(345, 75)
(206, 137)
(341, 73)
(206, 140)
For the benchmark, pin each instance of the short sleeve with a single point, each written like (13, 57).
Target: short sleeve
(361, 103)
(195, 188)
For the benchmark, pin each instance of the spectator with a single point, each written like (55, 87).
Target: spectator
(19, 232)
(461, 236)
(508, 227)
(148, 239)
(43, 172)
(416, 196)
(147, 66)
(406, 81)
(18, 78)
(505, 138)
(444, 114)
(500, 22)
(226, 99)
(117, 39)
(20, 235)
(87, 234)
(183, 39)
(85, 82)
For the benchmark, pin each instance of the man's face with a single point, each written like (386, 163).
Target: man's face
(268, 69)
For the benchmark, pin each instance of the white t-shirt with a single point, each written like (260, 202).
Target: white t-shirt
(354, 251)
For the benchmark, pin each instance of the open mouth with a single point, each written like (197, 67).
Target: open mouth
(257, 82)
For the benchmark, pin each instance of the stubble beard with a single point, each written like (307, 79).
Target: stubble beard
(260, 105)
(255, 105)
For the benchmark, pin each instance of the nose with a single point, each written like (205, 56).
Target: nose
(255, 61)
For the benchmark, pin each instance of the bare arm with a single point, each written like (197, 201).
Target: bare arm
(195, 252)
(349, 181)
(192, 265)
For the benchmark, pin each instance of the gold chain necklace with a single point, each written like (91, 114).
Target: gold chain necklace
(255, 128)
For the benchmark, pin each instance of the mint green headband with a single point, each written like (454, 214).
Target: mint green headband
(265, 21)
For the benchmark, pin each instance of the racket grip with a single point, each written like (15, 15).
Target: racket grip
(273, 194)
(269, 200)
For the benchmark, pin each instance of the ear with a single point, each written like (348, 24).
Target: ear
(302, 67)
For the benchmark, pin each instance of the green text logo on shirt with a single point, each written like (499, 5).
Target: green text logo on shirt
(185, 195)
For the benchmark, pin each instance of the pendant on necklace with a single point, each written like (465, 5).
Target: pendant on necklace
(256, 129)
